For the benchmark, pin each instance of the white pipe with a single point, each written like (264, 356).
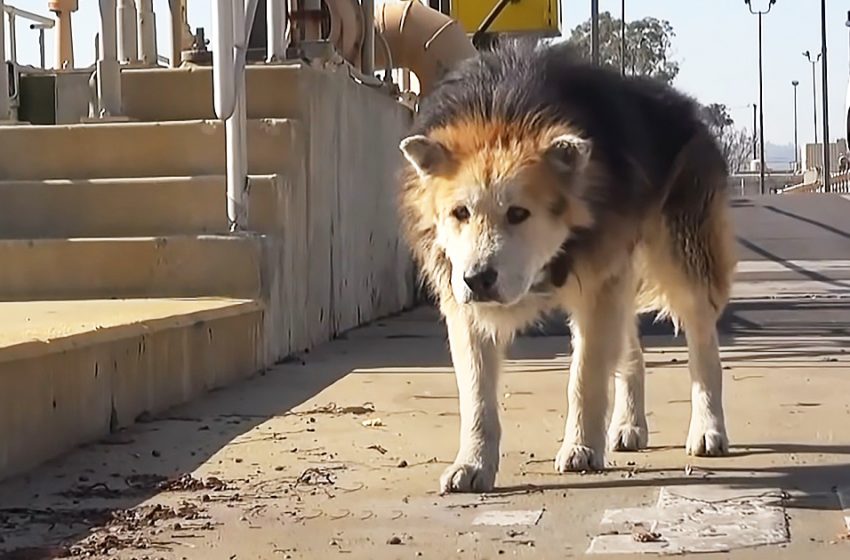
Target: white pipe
(128, 46)
(223, 67)
(13, 40)
(108, 71)
(5, 103)
(178, 23)
(236, 124)
(147, 31)
(276, 30)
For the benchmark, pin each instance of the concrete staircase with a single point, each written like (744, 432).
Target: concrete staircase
(121, 291)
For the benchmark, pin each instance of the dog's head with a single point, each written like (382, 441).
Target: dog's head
(501, 200)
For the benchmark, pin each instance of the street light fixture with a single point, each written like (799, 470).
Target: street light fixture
(795, 83)
(760, 13)
(814, 61)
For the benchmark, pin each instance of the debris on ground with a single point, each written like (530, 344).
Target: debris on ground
(333, 408)
(642, 535)
(379, 448)
(127, 530)
(188, 483)
(314, 476)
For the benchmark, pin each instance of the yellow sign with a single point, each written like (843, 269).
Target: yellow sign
(519, 16)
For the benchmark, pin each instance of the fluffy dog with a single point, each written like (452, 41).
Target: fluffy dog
(535, 181)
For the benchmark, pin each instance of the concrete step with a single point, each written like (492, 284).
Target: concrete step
(132, 267)
(161, 149)
(72, 371)
(273, 92)
(154, 206)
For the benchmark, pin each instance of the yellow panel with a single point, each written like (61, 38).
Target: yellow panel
(522, 16)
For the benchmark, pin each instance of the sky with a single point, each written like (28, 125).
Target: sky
(716, 45)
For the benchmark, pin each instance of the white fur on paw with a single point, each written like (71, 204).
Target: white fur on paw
(465, 477)
(707, 443)
(628, 437)
(577, 458)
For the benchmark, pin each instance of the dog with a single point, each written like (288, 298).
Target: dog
(534, 181)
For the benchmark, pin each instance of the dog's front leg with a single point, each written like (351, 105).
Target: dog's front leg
(598, 328)
(477, 360)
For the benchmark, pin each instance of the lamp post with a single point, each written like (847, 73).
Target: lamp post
(814, 61)
(760, 13)
(795, 83)
(623, 36)
(825, 87)
(594, 31)
(755, 132)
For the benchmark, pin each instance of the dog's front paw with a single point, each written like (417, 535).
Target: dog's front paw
(468, 477)
(628, 437)
(707, 442)
(579, 458)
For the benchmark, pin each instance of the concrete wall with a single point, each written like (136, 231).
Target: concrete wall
(747, 184)
(339, 260)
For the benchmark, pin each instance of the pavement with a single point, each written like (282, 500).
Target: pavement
(337, 452)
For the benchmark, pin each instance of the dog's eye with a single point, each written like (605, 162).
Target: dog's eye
(517, 215)
(461, 213)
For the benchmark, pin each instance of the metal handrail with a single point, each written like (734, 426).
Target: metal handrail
(38, 22)
(233, 21)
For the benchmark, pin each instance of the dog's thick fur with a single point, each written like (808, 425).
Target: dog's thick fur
(575, 189)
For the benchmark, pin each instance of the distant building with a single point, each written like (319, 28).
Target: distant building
(813, 154)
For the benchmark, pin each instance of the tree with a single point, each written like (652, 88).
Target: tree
(734, 142)
(648, 43)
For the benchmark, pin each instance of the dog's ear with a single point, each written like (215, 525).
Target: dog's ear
(429, 157)
(568, 153)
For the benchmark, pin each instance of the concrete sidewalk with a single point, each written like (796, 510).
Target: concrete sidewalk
(338, 453)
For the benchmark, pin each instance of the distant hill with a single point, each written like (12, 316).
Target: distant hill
(778, 156)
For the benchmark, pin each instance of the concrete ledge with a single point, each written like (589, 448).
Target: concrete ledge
(272, 92)
(71, 372)
(154, 206)
(94, 151)
(180, 266)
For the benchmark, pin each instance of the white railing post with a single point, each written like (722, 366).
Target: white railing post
(228, 23)
(128, 37)
(108, 70)
(13, 38)
(276, 30)
(5, 103)
(146, 31)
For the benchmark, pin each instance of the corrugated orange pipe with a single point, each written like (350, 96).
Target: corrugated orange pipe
(423, 40)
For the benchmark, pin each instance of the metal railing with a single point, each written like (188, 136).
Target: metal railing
(11, 13)
(38, 22)
(839, 183)
(232, 22)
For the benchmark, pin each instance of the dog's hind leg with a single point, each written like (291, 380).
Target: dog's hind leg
(627, 430)
(598, 323)
(707, 432)
(693, 260)
(477, 360)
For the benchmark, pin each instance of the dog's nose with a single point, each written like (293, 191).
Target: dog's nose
(482, 283)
